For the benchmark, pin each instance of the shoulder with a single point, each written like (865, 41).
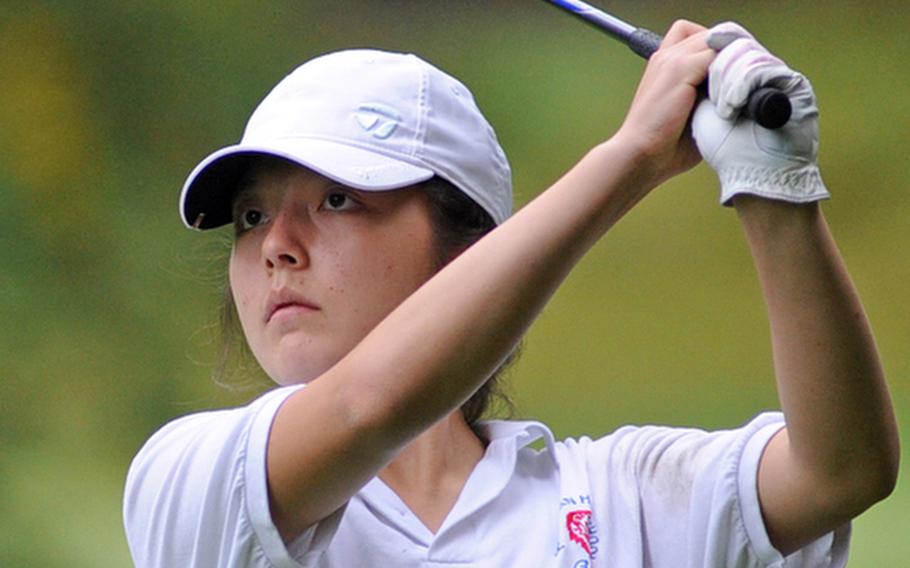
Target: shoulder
(666, 460)
(209, 431)
(686, 488)
(206, 464)
(636, 446)
(648, 442)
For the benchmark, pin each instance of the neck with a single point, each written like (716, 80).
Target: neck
(429, 473)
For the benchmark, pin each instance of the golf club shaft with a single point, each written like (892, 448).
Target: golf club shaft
(768, 106)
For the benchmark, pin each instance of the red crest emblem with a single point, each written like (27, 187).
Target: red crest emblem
(579, 525)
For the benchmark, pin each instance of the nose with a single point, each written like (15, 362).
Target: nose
(284, 245)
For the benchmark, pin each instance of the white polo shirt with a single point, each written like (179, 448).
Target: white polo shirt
(196, 496)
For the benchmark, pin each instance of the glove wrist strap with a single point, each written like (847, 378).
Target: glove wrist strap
(796, 185)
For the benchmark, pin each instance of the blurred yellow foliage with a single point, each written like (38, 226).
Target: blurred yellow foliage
(50, 146)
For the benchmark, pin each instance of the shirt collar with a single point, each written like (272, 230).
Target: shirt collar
(524, 432)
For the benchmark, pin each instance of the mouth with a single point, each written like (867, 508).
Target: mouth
(284, 303)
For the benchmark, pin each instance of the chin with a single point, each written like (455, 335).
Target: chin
(298, 358)
(298, 369)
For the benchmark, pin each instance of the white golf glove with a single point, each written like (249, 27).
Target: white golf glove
(776, 164)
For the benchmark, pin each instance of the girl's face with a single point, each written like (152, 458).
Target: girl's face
(316, 265)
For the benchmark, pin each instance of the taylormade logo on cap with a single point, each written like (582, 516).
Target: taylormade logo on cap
(378, 119)
(368, 119)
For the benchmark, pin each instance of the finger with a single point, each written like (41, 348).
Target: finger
(741, 68)
(680, 30)
(725, 33)
(692, 43)
(700, 63)
(687, 60)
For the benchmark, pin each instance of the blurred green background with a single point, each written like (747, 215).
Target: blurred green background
(109, 305)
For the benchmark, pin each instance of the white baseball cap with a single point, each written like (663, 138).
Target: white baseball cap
(368, 119)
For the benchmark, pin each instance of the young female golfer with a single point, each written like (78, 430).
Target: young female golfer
(365, 456)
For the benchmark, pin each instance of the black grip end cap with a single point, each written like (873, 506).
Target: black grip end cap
(769, 107)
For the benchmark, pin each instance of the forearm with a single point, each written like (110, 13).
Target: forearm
(830, 381)
(450, 335)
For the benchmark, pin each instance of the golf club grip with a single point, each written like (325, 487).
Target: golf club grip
(768, 106)
(644, 42)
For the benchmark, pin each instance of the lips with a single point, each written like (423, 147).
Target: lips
(285, 301)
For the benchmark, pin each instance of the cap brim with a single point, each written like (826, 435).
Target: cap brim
(205, 202)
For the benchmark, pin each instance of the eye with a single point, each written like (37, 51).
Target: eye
(338, 201)
(250, 218)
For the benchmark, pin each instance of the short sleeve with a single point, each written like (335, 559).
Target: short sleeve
(197, 494)
(696, 496)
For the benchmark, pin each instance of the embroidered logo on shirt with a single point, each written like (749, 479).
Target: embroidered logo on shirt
(579, 524)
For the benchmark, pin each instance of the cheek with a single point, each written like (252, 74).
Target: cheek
(241, 289)
(394, 269)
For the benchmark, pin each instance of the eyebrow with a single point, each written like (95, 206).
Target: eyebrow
(241, 191)
(247, 183)
(242, 195)
(245, 186)
(244, 183)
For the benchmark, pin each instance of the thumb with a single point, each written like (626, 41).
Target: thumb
(709, 130)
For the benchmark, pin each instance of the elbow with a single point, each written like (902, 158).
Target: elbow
(878, 486)
(873, 479)
(886, 468)
(873, 468)
(885, 480)
(846, 489)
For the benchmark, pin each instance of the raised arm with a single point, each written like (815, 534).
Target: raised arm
(839, 452)
(432, 352)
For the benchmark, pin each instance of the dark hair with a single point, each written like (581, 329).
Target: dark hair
(458, 222)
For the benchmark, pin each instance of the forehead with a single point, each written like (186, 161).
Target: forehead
(265, 171)
(267, 175)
